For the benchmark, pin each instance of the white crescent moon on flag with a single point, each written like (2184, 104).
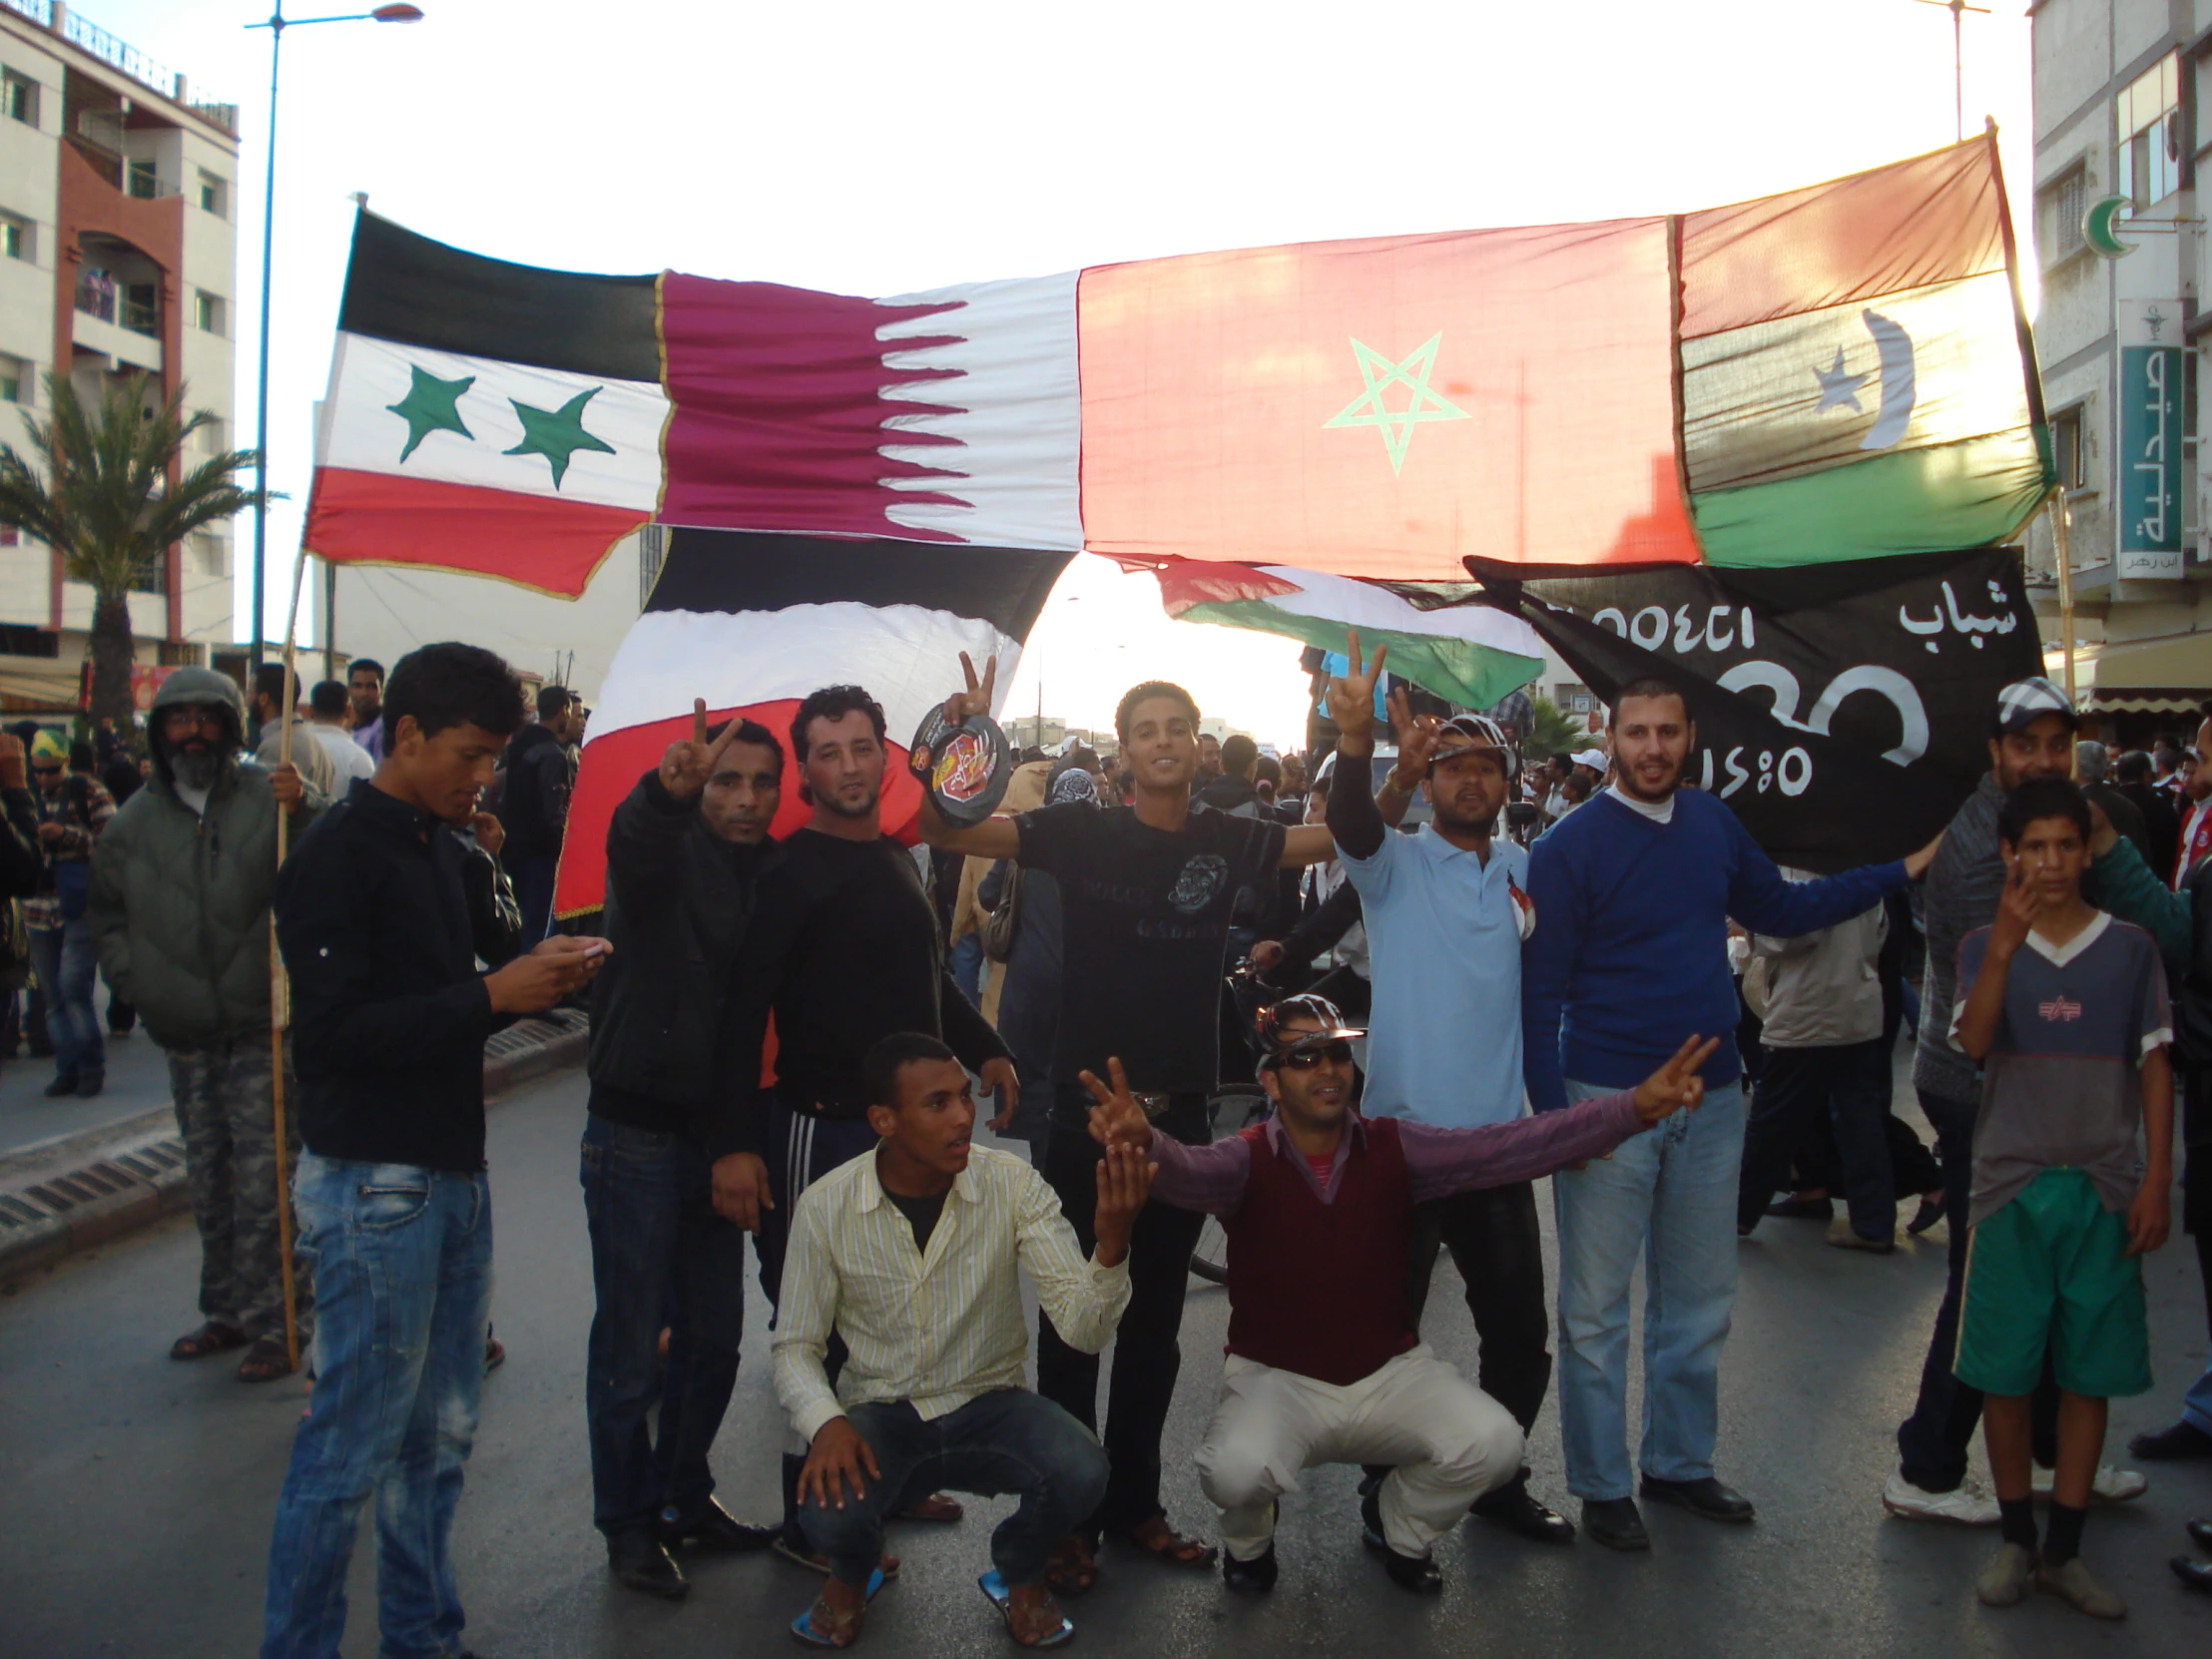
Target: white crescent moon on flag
(1898, 389)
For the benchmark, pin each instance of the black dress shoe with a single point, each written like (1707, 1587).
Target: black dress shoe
(2195, 1575)
(641, 1562)
(2200, 1531)
(1256, 1575)
(710, 1526)
(1511, 1505)
(2173, 1446)
(1614, 1522)
(1408, 1572)
(1707, 1498)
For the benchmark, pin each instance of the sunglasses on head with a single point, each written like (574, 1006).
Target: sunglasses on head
(46, 766)
(1306, 1059)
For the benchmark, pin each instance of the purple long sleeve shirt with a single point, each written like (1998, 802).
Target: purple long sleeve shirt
(1439, 1162)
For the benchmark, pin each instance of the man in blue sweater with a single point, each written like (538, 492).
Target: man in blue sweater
(1633, 896)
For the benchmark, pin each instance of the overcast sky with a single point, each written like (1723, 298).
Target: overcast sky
(874, 149)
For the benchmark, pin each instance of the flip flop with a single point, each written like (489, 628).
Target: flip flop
(803, 1627)
(995, 1588)
(936, 1509)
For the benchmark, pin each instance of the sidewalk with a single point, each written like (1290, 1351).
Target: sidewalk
(75, 1172)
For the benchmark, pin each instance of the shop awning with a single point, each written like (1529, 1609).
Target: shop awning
(2166, 675)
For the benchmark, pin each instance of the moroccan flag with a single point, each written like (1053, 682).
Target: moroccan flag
(752, 623)
(1471, 655)
(1840, 372)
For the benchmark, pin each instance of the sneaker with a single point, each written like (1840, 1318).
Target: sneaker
(2011, 1575)
(2113, 1485)
(2183, 1440)
(62, 1088)
(1966, 1505)
(2074, 1583)
(90, 1083)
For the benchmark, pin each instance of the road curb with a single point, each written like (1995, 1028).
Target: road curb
(97, 1184)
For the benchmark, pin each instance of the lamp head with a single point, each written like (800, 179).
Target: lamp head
(398, 14)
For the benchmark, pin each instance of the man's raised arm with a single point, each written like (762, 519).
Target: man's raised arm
(994, 837)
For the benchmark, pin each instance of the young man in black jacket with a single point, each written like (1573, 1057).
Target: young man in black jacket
(386, 933)
(686, 853)
(533, 804)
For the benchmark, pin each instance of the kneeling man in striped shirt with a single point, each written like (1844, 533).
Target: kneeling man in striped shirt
(913, 1256)
(1326, 1361)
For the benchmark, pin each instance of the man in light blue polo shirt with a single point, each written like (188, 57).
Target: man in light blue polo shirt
(1445, 915)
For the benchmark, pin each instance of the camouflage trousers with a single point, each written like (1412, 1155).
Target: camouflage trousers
(227, 1115)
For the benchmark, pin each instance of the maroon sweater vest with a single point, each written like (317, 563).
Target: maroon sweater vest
(1320, 1289)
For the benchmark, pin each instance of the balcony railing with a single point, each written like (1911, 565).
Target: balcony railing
(120, 54)
(139, 317)
(38, 11)
(95, 295)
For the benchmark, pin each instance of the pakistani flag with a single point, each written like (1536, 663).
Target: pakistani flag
(1470, 655)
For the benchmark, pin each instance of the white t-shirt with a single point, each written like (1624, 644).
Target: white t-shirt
(349, 759)
(1659, 813)
(197, 800)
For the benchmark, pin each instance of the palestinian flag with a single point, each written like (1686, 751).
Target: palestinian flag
(1470, 655)
(752, 623)
(1836, 374)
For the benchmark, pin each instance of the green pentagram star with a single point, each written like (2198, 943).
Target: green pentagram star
(431, 405)
(557, 433)
(1367, 409)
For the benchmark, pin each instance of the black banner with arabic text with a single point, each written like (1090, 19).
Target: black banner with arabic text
(1843, 710)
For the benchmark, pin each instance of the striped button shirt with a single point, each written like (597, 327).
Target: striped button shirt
(936, 1329)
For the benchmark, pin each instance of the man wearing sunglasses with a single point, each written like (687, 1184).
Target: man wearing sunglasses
(1325, 1362)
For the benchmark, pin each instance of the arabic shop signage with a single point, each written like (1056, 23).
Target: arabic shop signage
(2149, 460)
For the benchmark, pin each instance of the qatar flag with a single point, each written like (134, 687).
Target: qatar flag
(752, 623)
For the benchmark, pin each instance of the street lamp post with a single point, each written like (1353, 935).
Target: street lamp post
(277, 24)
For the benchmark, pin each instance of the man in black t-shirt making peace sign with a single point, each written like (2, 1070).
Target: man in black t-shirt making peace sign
(1147, 891)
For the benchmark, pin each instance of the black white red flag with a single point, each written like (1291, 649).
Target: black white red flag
(1843, 710)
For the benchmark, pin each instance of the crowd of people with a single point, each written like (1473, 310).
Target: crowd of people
(790, 1039)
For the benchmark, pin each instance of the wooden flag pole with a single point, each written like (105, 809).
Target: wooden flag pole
(2061, 524)
(280, 989)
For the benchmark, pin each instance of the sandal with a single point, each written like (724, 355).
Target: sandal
(937, 1509)
(211, 1338)
(1002, 1598)
(1072, 1567)
(1167, 1546)
(887, 1565)
(837, 1630)
(266, 1361)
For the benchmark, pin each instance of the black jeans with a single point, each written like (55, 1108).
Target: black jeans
(1147, 1354)
(1495, 1243)
(1849, 1086)
(657, 1249)
(1007, 1441)
(1934, 1442)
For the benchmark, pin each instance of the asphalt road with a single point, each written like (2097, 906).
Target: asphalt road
(140, 1492)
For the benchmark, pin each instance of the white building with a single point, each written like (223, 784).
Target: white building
(2117, 88)
(118, 252)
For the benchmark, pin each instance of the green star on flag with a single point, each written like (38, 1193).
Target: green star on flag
(431, 405)
(1368, 410)
(557, 433)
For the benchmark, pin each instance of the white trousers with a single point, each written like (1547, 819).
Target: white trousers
(1451, 1443)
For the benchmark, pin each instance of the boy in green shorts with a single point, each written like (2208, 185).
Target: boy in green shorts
(2072, 1033)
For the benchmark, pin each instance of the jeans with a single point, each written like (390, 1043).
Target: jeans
(656, 1244)
(1147, 1354)
(533, 878)
(1498, 1249)
(64, 961)
(1849, 1086)
(967, 965)
(1935, 1441)
(402, 1265)
(1007, 1441)
(1668, 1195)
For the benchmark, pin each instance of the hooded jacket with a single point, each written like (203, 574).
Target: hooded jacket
(180, 901)
(534, 800)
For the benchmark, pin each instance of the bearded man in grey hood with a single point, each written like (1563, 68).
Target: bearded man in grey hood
(182, 880)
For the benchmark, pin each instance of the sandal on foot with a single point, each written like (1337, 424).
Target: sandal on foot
(937, 1509)
(1002, 1598)
(803, 1627)
(1072, 1569)
(886, 1566)
(1167, 1546)
(266, 1361)
(211, 1338)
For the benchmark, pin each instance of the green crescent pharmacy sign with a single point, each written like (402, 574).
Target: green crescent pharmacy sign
(2150, 458)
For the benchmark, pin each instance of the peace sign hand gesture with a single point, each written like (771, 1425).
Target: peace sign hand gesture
(1116, 1118)
(1416, 736)
(686, 767)
(976, 700)
(1676, 1086)
(1352, 698)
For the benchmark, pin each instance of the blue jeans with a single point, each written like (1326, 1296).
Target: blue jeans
(2196, 1404)
(657, 1246)
(1007, 1441)
(967, 965)
(64, 960)
(1668, 1195)
(1850, 1085)
(402, 1274)
(533, 878)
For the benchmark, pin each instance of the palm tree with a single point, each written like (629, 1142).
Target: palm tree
(105, 489)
